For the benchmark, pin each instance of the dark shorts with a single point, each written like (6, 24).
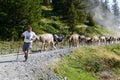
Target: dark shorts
(26, 46)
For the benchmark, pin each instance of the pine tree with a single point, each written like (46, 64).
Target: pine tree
(91, 20)
(105, 4)
(59, 6)
(115, 8)
(47, 2)
(14, 14)
(72, 12)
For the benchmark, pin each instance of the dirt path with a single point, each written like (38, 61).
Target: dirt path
(34, 69)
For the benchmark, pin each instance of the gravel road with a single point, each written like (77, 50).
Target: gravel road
(36, 68)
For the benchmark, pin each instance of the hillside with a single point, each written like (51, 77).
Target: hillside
(65, 17)
(91, 63)
(82, 63)
(98, 62)
(36, 68)
(50, 23)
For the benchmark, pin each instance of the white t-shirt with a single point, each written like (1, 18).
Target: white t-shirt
(28, 36)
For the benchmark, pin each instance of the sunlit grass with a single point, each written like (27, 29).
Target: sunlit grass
(85, 62)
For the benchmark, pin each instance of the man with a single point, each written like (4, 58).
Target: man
(29, 37)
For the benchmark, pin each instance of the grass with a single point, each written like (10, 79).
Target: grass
(97, 30)
(51, 23)
(114, 48)
(86, 62)
(9, 47)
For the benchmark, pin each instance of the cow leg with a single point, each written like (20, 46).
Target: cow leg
(62, 44)
(43, 46)
(69, 44)
(56, 44)
(53, 45)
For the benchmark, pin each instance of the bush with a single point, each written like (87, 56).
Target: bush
(91, 21)
(113, 63)
(93, 65)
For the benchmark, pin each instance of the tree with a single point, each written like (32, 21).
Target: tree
(58, 6)
(14, 14)
(47, 2)
(91, 21)
(105, 4)
(72, 12)
(115, 8)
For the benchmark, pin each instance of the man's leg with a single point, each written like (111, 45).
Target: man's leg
(26, 55)
(26, 51)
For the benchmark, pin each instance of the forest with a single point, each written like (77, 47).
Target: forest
(65, 15)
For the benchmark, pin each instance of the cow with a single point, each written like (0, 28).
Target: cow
(118, 39)
(88, 40)
(114, 39)
(109, 39)
(102, 39)
(82, 39)
(95, 40)
(46, 40)
(73, 40)
(59, 40)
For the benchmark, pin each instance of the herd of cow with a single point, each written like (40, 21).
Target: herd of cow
(74, 40)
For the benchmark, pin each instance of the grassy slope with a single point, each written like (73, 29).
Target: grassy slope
(88, 63)
(50, 23)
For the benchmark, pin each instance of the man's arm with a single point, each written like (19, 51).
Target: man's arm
(22, 35)
(34, 37)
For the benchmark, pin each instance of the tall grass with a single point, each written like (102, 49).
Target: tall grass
(9, 47)
(87, 62)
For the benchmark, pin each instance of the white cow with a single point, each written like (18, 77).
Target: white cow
(95, 40)
(102, 39)
(47, 40)
(73, 40)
